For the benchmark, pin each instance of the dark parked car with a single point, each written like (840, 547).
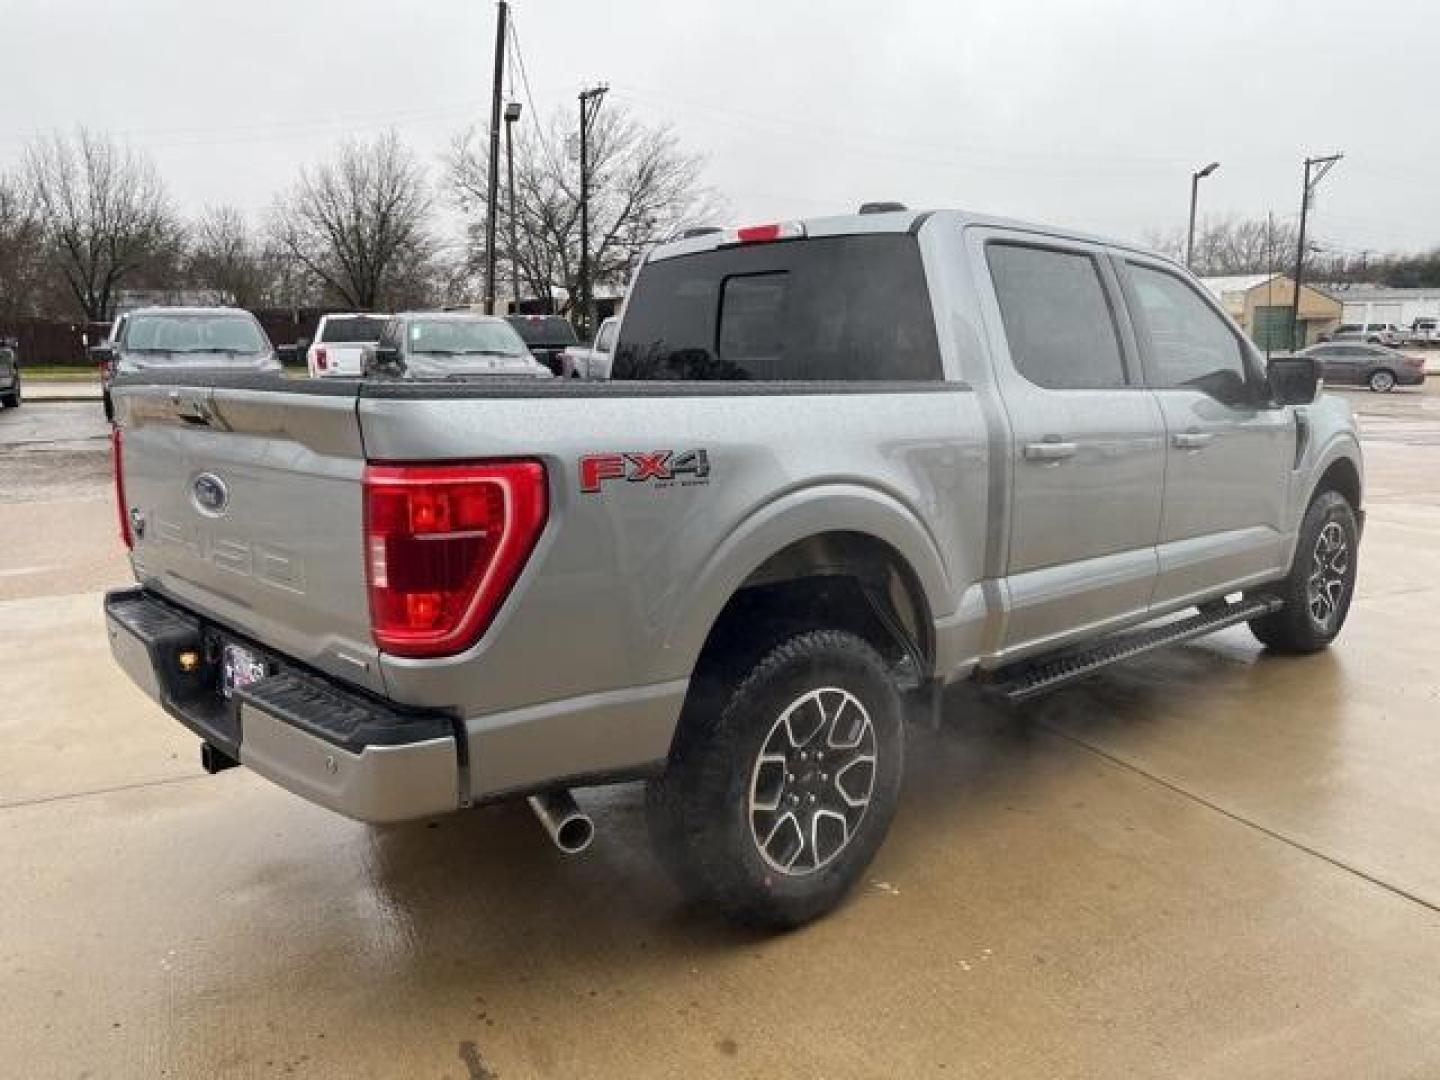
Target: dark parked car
(168, 339)
(1355, 363)
(9, 376)
(546, 336)
(447, 345)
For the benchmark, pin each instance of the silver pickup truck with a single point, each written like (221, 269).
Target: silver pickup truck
(841, 464)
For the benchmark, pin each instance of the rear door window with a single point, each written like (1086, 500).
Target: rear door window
(844, 308)
(1058, 320)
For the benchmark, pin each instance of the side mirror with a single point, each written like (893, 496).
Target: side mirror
(1293, 380)
(102, 354)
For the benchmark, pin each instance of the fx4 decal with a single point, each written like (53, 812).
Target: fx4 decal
(659, 468)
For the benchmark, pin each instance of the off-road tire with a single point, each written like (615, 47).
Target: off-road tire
(704, 816)
(1296, 628)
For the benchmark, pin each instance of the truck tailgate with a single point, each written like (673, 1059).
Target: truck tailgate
(246, 506)
(345, 359)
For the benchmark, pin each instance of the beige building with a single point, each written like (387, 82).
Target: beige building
(1261, 304)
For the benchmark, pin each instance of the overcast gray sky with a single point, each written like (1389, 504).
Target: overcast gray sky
(1089, 113)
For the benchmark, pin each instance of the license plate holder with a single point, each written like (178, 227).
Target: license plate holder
(239, 667)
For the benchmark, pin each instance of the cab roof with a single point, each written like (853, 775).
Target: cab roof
(890, 221)
(161, 309)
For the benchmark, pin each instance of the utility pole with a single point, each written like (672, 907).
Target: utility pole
(493, 189)
(589, 106)
(1321, 165)
(512, 113)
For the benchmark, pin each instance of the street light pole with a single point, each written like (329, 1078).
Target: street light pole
(1325, 164)
(512, 114)
(589, 105)
(493, 186)
(1195, 179)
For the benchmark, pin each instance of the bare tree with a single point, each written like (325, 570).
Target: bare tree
(106, 216)
(22, 257)
(227, 256)
(360, 224)
(1233, 245)
(644, 188)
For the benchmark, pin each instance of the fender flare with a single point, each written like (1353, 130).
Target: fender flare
(1341, 445)
(792, 517)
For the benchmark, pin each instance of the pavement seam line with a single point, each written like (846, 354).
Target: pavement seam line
(1240, 819)
(43, 799)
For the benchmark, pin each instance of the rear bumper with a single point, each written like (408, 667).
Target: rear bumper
(325, 742)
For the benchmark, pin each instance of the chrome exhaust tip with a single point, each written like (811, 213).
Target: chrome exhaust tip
(568, 827)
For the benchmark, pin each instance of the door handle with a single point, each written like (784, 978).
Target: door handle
(1192, 440)
(1049, 451)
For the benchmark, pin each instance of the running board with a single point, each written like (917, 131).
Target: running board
(1031, 678)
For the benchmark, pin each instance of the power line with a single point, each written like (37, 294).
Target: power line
(530, 99)
(828, 132)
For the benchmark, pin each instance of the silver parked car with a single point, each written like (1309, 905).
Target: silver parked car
(450, 345)
(1371, 333)
(173, 339)
(1354, 363)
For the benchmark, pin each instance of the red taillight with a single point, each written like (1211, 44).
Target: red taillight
(755, 234)
(764, 234)
(117, 464)
(443, 546)
(322, 361)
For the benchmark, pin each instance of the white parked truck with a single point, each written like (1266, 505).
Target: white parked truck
(339, 346)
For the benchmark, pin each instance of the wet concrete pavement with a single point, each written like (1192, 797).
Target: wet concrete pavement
(1207, 863)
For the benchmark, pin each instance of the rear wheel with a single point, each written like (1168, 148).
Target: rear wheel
(783, 781)
(1321, 582)
(1382, 381)
(12, 400)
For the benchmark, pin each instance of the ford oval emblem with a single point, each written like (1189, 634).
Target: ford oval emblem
(210, 493)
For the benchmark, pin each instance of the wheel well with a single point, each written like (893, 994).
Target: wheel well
(1344, 477)
(849, 581)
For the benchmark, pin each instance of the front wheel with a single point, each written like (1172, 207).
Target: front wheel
(783, 782)
(1321, 583)
(1382, 381)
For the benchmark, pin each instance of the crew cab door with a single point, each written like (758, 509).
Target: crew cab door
(1086, 440)
(1228, 454)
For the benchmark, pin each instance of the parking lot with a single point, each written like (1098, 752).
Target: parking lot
(1209, 862)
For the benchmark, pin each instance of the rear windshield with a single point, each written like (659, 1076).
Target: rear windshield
(353, 330)
(543, 330)
(845, 308)
(195, 333)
